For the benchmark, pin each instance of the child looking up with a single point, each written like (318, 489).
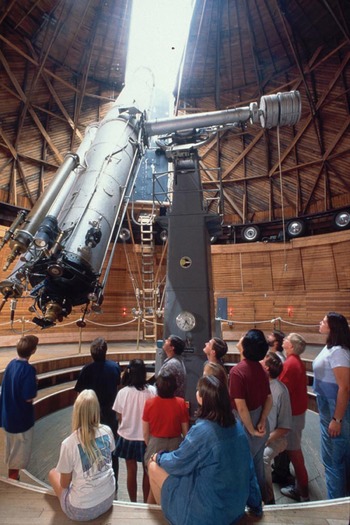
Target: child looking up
(129, 405)
(165, 419)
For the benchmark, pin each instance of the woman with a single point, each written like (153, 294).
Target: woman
(83, 479)
(210, 478)
(251, 398)
(165, 419)
(332, 385)
(129, 405)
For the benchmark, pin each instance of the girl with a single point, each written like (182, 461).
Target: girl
(129, 405)
(83, 479)
(165, 419)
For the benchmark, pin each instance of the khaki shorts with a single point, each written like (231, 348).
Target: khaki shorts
(18, 448)
(294, 435)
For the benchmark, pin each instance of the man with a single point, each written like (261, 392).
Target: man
(275, 341)
(102, 376)
(18, 390)
(295, 379)
(215, 349)
(280, 419)
(174, 363)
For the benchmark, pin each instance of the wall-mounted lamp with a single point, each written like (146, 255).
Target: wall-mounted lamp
(295, 228)
(124, 234)
(251, 233)
(342, 220)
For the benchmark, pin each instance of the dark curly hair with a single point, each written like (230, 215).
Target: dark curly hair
(339, 332)
(254, 345)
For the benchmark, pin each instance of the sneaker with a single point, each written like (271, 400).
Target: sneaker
(291, 492)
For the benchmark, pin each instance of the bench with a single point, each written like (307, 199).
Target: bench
(58, 376)
(22, 502)
(56, 363)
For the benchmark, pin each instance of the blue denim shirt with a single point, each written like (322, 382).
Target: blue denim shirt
(211, 477)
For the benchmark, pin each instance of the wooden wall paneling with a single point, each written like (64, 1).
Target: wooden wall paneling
(341, 258)
(263, 305)
(318, 268)
(291, 307)
(321, 302)
(248, 309)
(227, 272)
(287, 271)
(256, 271)
(316, 280)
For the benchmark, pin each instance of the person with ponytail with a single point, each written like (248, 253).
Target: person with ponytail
(83, 479)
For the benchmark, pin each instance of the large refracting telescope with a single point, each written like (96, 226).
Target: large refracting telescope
(60, 246)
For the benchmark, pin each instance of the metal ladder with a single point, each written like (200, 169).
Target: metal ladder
(149, 297)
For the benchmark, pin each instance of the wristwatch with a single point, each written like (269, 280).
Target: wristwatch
(337, 420)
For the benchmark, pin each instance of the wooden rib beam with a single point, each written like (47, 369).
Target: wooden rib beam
(55, 96)
(30, 109)
(228, 199)
(51, 74)
(309, 119)
(13, 152)
(31, 159)
(324, 160)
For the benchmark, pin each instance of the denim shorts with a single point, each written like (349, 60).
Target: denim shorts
(77, 514)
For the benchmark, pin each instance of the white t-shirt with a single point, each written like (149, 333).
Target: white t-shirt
(130, 403)
(325, 383)
(91, 484)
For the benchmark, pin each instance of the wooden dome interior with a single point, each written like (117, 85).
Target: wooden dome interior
(63, 63)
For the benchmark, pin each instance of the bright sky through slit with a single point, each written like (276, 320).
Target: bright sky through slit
(158, 34)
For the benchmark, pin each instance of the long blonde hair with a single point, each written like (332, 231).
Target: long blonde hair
(86, 420)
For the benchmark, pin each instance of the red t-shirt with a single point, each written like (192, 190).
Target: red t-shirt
(294, 377)
(249, 381)
(165, 416)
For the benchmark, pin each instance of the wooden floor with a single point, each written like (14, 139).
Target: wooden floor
(20, 501)
(25, 504)
(52, 429)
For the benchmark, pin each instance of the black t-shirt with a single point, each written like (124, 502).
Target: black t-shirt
(104, 378)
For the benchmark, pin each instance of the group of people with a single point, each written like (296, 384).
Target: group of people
(248, 426)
